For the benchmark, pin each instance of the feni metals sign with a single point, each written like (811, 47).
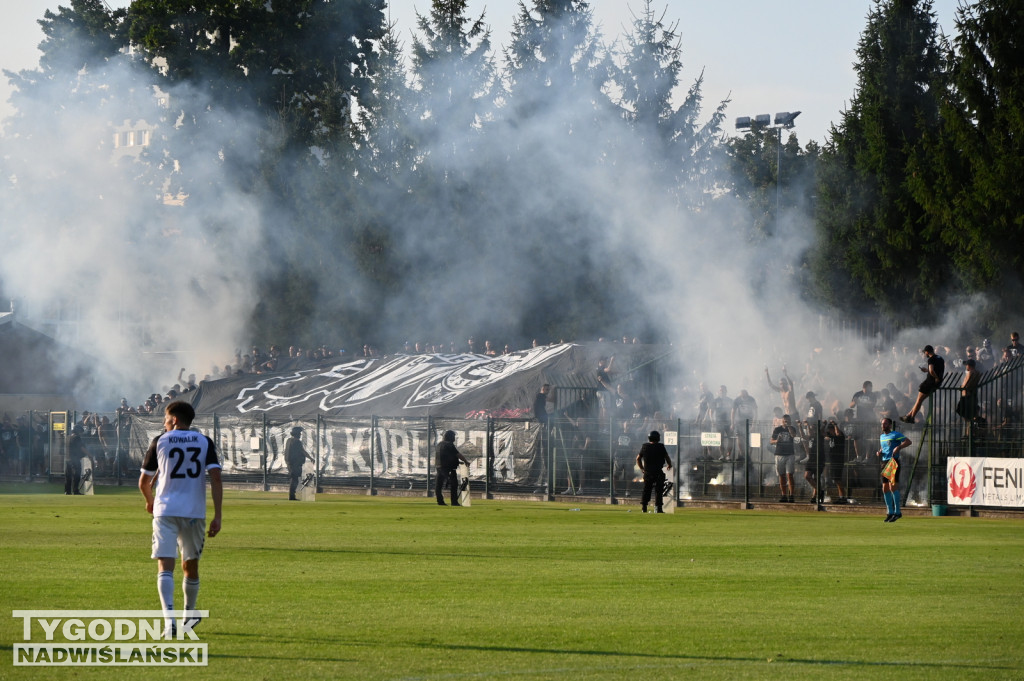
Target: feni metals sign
(985, 481)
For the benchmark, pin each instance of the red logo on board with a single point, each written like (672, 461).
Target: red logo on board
(960, 485)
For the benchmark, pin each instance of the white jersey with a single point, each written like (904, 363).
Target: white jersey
(180, 458)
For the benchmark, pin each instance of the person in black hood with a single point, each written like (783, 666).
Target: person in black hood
(447, 463)
(652, 459)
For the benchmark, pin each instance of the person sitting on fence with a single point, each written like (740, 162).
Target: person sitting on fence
(935, 370)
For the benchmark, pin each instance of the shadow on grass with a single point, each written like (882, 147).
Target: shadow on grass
(371, 552)
(283, 658)
(779, 659)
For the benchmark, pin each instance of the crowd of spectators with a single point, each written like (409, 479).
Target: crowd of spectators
(808, 397)
(23, 443)
(629, 401)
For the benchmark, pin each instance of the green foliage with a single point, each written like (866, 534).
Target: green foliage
(754, 162)
(970, 177)
(879, 247)
(371, 178)
(453, 66)
(556, 56)
(651, 64)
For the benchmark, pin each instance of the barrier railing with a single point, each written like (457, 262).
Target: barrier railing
(577, 457)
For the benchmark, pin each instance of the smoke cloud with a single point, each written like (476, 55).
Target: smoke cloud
(531, 224)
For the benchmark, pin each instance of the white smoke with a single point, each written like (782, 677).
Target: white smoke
(545, 219)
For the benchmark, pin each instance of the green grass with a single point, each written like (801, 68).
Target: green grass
(356, 587)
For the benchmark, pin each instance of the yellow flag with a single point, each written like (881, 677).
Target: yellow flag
(889, 472)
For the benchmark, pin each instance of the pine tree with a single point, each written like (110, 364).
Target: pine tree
(388, 113)
(555, 64)
(455, 71)
(671, 136)
(971, 179)
(874, 233)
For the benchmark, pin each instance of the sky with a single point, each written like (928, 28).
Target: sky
(766, 57)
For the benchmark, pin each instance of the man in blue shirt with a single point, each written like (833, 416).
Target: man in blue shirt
(892, 442)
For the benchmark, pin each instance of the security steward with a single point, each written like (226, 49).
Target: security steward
(447, 463)
(652, 459)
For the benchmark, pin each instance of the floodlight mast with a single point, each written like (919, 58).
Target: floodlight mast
(783, 119)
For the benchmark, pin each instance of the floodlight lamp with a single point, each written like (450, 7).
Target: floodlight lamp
(743, 123)
(762, 120)
(786, 118)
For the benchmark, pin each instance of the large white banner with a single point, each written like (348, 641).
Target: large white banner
(985, 481)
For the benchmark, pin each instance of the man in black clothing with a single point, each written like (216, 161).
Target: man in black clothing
(652, 459)
(935, 370)
(540, 404)
(1014, 349)
(295, 456)
(447, 462)
(73, 464)
(812, 468)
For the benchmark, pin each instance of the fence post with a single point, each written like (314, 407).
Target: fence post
(430, 449)
(679, 457)
(373, 453)
(30, 473)
(316, 455)
(746, 465)
(550, 451)
(611, 461)
(217, 441)
(263, 454)
(489, 460)
(925, 433)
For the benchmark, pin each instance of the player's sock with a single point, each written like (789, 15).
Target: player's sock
(888, 502)
(896, 502)
(165, 587)
(191, 589)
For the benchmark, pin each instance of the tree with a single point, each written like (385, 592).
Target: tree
(768, 179)
(453, 66)
(680, 146)
(388, 113)
(80, 42)
(873, 231)
(68, 107)
(315, 57)
(971, 178)
(234, 65)
(554, 57)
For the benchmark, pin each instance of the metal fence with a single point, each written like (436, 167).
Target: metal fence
(987, 423)
(570, 457)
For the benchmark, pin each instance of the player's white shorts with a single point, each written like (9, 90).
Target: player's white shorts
(171, 533)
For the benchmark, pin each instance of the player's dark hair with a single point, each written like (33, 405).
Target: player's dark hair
(449, 436)
(182, 411)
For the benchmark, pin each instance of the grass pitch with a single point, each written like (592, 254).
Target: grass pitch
(356, 587)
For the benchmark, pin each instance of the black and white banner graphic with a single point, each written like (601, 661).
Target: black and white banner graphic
(397, 385)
